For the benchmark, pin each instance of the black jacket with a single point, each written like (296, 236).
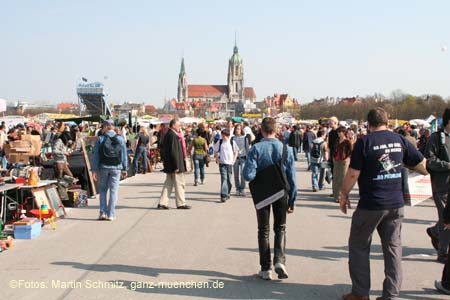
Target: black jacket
(295, 139)
(437, 153)
(333, 142)
(308, 138)
(172, 153)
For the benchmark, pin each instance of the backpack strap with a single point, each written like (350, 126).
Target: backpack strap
(220, 146)
(284, 155)
(247, 141)
(283, 174)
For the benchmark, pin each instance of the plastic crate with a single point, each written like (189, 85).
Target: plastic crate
(25, 232)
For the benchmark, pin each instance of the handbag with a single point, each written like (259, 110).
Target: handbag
(270, 184)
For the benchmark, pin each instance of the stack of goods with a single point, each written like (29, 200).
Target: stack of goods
(20, 151)
(27, 228)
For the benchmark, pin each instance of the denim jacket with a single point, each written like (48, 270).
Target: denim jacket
(96, 165)
(268, 152)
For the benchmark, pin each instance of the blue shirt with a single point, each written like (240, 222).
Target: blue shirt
(96, 164)
(379, 156)
(268, 152)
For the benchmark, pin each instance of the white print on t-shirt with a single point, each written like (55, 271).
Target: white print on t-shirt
(389, 166)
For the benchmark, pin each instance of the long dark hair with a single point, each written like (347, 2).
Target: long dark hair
(65, 137)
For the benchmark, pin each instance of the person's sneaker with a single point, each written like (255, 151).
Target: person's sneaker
(280, 269)
(314, 190)
(195, 183)
(243, 194)
(266, 275)
(102, 217)
(438, 285)
(351, 296)
(223, 199)
(238, 193)
(110, 218)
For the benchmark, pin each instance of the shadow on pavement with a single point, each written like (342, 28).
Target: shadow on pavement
(233, 286)
(147, 184)
(418, 222)
(339, 253)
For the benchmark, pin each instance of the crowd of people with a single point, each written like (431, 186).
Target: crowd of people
(374, 154)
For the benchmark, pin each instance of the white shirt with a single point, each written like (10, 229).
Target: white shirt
(247, 130)
(227, 152)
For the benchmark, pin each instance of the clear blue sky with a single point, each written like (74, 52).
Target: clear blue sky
(309, 49)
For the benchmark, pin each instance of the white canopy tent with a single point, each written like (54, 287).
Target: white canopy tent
(2, 105)
(419, 122)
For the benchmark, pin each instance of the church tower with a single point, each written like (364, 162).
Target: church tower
(182, 84)
(235, 77)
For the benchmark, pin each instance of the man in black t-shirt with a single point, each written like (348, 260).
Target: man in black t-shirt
(376, 163)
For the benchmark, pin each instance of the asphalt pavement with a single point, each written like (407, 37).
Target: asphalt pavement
(210, 251)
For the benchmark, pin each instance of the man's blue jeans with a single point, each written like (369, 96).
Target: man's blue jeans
(199, 167)
(108, 179)
(317, 182)
(140, 151)
(225, 180)
(308, 158)
(295, 151)
(239, 180)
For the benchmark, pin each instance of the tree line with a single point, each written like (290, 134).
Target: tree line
(399, 106)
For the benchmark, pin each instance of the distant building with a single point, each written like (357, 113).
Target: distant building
(68, 107)
(232, 96)
(21, 107)
(281, 103)
(136, 109)
(149, 109)
(350, 100)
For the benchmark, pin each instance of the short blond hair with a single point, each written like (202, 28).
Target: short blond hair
(334, 119)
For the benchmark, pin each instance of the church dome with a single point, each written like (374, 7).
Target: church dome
(236, 58)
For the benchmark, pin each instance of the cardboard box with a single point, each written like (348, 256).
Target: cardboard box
(419, 188)
(36, 143)
(20, 144)
(18, 158)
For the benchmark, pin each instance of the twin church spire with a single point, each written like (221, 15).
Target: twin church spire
(235, 79)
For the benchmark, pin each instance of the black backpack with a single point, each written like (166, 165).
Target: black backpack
(217, 137)
(316, 150)
(110, 151)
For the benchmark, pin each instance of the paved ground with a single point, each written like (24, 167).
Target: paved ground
(213, 244)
